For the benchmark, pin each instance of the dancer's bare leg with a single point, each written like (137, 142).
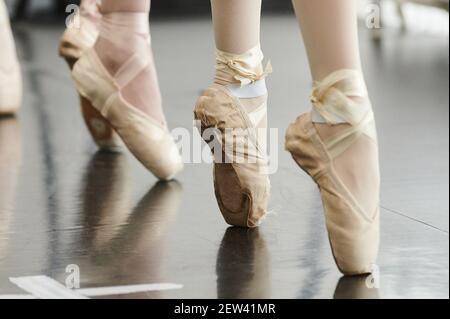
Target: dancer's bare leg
(330, 33)
(236, 24)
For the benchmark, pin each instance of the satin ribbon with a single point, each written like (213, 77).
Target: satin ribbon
(332, 97)
(244, 68)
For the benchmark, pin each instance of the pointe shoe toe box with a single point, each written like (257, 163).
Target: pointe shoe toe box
(354, 237)
(150, 143)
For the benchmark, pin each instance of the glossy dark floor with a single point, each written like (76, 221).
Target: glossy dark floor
(63, 203)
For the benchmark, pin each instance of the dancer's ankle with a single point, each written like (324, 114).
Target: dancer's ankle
(243, 75)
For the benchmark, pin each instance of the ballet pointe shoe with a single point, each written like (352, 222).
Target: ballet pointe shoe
(241, 180)
(10, 73)
(74, 42)
(149, 141)
(352, 224)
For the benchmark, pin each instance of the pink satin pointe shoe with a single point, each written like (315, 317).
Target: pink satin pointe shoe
(241, 181)
(149, 141)
(10, 74)
(236, 134)
(345, 167)
(74, 42)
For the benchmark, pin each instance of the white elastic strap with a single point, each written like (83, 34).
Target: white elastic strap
(253, 90)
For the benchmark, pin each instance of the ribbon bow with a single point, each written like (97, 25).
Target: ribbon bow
(331, 97)
(245, 68)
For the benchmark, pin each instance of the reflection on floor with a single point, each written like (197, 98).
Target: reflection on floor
(62, 202)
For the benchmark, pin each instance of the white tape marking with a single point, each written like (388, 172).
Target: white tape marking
(124, 290)
(44, 287)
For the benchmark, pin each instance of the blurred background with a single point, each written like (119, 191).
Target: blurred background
(71, 204)
(423, 15)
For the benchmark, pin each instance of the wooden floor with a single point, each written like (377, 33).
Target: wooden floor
(62, 203)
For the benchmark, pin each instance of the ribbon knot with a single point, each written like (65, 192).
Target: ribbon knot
(245, 68)
(332, 97)
(314, 100)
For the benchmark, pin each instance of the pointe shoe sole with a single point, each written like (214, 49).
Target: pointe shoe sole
(239, 200)
(70, 49)
(236, 208)
(354, 252)
(217, 110)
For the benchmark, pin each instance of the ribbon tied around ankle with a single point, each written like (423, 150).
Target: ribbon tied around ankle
(245, 68)
(332, 97)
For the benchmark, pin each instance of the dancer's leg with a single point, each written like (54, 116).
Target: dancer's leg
(242, 188)
(345, 162)
(237, 35)
(236, 24)
(124, 30)
(330, 33)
